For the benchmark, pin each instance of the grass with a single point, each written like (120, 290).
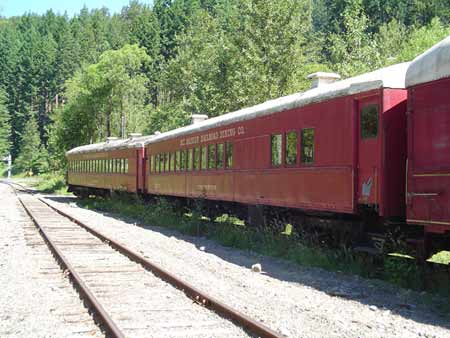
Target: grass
(52, 184)
(49, 183)
(230, 231)
(442, 257)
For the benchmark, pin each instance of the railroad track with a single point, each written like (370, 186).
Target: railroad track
(128, 295)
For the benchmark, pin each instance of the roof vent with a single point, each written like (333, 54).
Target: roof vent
(111, 138)
(134, 135)
(196, 118)
(320, 79)
(157, 132)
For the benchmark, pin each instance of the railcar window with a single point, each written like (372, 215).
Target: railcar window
(172, 161)
(177, 160)
(276, 149)
(204, 157)
(190, 158)
(308, 145)
(228, 155)
(161, 163)
(157, 163)
(211, 156)
(183, 159)
(151, 164)
(197, 158)
(166, 162)
(126, 166)
(291, 148)
(369, 121)
(220, 156)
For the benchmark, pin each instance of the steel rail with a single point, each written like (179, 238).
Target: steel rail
(197, 295)
(82, 288)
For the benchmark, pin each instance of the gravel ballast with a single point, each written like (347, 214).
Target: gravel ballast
(296, 301)
(36, 299)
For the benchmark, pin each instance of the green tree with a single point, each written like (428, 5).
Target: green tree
(32, 157)
(5, 127)
(353, 51)
(103, 95)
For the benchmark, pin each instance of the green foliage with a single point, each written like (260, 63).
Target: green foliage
(402, 272)
(33, 157)
(51, 183)
(100, 95)
(5, 128)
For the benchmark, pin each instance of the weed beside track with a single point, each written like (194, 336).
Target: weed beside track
(230, 231)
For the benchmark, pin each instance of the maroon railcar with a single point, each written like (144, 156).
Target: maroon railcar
(114, 165)
(339, 148)
(428, 177)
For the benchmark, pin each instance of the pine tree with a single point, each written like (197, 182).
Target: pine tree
(32, 157)
(5, 127)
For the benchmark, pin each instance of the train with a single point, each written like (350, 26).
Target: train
(363, 155)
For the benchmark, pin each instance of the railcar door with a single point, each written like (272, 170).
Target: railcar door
(368, 150)
(428, 194)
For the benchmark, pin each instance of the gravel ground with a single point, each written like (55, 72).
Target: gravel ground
(36, 300)
(294, 300)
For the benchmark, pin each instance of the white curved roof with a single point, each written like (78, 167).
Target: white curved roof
(110, 145)
(432, 65)
(389, 77)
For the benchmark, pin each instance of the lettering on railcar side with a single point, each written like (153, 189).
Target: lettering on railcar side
(212, 136)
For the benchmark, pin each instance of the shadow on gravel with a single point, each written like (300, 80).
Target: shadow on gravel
(381, 296)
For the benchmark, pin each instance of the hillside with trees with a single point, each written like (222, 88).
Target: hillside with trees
(67, 81)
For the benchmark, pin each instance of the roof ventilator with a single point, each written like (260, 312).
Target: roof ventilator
(134, 135)
(111, 138)
(320, 79)
(196, 118)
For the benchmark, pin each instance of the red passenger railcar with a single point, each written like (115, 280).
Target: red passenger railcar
(428, 185)
(340, 148)
(112, 165)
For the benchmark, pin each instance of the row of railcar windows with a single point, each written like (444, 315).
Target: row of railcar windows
(291, 142)
(212, 156)
(112, 165)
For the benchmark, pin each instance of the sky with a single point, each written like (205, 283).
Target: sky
(10, 8)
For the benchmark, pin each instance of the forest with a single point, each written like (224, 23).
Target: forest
(67, 81)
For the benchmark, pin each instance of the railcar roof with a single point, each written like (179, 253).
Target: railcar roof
(389, 77)
(110, 145)
(432, 65)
